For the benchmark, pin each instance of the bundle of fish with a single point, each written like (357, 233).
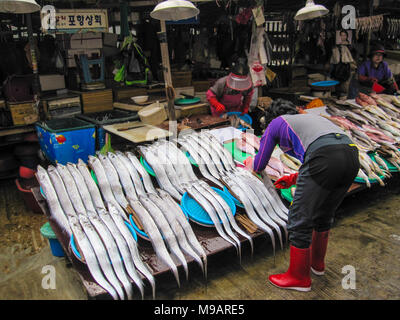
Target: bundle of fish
(175, 175)
(101, 235)
(280, 164)
(373, 125)
(261, 202)
(95, 216)
(153, 210)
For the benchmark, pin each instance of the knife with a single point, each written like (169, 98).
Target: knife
(132, 127)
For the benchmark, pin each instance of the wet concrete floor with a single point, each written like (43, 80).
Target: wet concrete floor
(365, 239)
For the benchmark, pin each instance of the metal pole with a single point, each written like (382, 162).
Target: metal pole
(35, 84)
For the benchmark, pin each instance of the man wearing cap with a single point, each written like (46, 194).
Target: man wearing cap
(232, 92)
(376, 71)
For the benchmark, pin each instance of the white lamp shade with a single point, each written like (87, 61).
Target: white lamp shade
(311, 11)
(174, 10)
(19, 6)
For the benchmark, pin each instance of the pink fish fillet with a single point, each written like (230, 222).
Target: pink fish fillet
(245, 147)
(277, 165)
(345, 122)
(251, 139)
(373, 132)
(272, 173)
(379, 138)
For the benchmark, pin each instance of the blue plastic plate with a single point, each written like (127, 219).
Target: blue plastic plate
(76, 252)
(42, 192)
(328, 83)
(244, 117)
(143, 234)
(197, 214)
(147, 166)
(236, 201)
(191, 159)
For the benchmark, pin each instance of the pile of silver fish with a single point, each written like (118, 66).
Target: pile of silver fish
(96, 217)
(102, 237)
(175, 175)
(373, 125)
(262, 204)
(124, 182)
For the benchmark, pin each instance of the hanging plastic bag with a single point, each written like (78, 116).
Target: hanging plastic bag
(257, 73)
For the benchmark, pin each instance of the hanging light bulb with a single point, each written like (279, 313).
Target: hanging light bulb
(19, 6)
(174, 10)
(311, 11)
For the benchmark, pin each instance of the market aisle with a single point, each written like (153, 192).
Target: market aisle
(366, 235)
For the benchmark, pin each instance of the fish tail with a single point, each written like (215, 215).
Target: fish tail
(205, 268)
(176, 275)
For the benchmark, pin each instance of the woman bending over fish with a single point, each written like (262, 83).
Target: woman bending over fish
(329, 166)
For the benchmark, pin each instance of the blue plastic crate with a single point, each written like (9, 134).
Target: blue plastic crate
(67, 139)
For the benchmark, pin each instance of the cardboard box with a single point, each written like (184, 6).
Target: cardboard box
(181, 78)
(88, 40)
(71, 52)
(97, 100)
(127, 92)
(23, 113)
(201, 86)
(50, 82)
(110, 39)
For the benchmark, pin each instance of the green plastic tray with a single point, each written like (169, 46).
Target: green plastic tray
(237, 154)
(286, 194)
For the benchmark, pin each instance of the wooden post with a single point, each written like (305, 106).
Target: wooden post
(162, 36)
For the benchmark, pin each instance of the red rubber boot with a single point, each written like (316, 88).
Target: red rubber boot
(318, 251)
(298, 275)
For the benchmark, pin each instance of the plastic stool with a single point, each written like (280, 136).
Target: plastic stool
(85, 62)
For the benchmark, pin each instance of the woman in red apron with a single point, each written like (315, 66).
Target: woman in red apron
(231, 93)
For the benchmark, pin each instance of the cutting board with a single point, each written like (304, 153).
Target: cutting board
(137, 135)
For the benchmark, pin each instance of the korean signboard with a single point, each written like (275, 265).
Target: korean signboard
(73, 20)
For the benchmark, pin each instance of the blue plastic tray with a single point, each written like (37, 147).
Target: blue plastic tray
(76, 252)
(328, 83)
(197, 214)
(143, 234)
(236, 201)
(147, 166)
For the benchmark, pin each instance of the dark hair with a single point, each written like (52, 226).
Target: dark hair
(240, 69)
(342, 30)
(278, 108)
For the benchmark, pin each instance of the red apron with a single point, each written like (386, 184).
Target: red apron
(232, 102)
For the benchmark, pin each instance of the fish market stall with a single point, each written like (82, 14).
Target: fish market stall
(207, 237)
(117, 195)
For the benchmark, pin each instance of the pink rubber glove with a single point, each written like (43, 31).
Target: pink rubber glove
(248, 163)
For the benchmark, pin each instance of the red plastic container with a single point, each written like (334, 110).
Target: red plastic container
(29, 199)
